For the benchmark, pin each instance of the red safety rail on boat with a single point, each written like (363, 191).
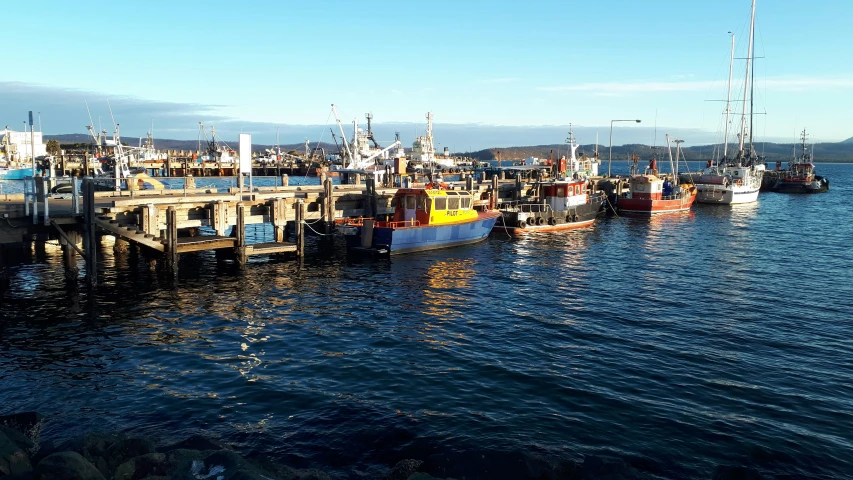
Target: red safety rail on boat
(399, 224)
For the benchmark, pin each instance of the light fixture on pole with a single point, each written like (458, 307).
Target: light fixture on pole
(610, 158)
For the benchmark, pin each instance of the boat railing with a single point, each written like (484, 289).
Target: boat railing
(399, 224)
(525, 207)
(357, 221)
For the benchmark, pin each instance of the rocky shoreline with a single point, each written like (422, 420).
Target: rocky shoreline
(98, 456)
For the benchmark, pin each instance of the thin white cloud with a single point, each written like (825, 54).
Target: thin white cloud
(776, 83)
(498, 80)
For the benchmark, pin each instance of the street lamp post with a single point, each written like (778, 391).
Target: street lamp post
(610, 158)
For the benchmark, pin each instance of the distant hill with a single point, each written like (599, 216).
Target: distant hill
(823, 152)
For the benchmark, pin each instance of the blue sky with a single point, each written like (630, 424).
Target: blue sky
(253, 65)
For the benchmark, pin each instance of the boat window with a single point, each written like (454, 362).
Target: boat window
(441, 203)
(577, 189)
(410, 202)
(453, 203)
(561, 192)
(423, 203)
(466, 202)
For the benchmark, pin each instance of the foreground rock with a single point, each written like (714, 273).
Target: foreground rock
(13, 459)
(66, 466)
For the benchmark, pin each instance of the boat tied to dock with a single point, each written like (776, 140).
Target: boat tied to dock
(426, 218)
(651, 193)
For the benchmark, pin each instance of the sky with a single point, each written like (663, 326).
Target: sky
(494, 74)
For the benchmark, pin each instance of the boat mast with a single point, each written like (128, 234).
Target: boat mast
(729, 100)
(747, 85)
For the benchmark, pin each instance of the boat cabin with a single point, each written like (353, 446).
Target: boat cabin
(648, 187)
(802, 172)
(432, 206)
(564, 195)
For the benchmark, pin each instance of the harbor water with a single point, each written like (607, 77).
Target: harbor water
(676, 343)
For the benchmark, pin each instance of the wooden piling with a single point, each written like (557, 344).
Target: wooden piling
(278, 218)
(328, 207)
(469, 183)
(172, 239)
(240, 227)
(300, 228)
(90, 241)
(493, 198)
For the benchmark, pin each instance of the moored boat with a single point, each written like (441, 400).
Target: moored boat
(800, 176)
(651, 193)
(735, 180)
(563, 204)
(427, 218)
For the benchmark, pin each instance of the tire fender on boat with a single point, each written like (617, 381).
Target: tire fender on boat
(522, 224)
(552, 221)
(540, 221)
(574, 217)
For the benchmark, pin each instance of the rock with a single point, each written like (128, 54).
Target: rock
(404, 469)
(94, 447)
(605, 468)
(425, 476)
(220, 465)
(125, 449)
(13, 459)
(195, 442)
(730, 472)
(27, 423)
(144, 466)
(176, 459)
(22, 441)
(283, 472)
(66, 466)
(486, 464)
(24, 422)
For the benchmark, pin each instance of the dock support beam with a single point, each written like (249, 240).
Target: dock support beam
(172, 239)
(300, 228)
(328, 207)
(220, 217)
(493, 198)
(278, 217)
(240, 228)
(90, 240)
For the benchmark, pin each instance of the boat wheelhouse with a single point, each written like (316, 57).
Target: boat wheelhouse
(425, 218)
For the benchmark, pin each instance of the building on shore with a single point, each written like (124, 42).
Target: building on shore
(18, 146)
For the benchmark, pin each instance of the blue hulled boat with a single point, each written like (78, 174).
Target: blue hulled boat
(426, 218)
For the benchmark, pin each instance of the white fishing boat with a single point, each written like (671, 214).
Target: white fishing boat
(423, 152)
(738, 179)
(363, 154)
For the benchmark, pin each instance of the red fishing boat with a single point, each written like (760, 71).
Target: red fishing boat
(650, 193)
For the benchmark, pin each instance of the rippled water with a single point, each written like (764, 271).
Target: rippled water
(721, 335)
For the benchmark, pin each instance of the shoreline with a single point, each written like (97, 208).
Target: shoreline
(24, 455)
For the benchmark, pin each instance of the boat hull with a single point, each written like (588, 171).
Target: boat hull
(818, 185)
(642, 206)
(725, 195)
(16, 174)
(522, 223)
(419, 238)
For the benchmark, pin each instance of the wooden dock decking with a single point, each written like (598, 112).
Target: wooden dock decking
(169, 223)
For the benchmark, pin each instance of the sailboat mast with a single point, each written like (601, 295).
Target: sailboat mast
(747, 84)
(729, 100)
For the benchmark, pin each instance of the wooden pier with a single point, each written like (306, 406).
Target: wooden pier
(169, 223)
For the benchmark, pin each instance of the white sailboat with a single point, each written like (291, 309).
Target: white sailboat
(738, 179)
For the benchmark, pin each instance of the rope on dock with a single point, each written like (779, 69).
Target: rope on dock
(315, 231)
